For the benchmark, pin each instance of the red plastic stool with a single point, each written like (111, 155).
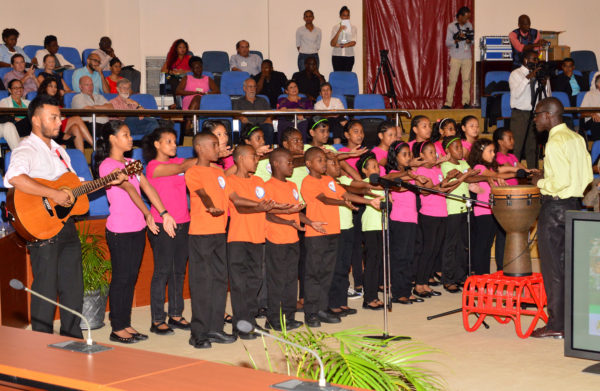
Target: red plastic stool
(501, 296)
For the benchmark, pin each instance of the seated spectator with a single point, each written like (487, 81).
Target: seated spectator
(568, 82)
(336, 122)
(193, 87)
(269, 82)
(106, 53)
(293, 101)
(244, 60)
(137, 126)
(8, 131)
(252, 102)
(26, 76)
(88, 99)
(177, 64)
(10, 48)
(93, 70)
(73, 131)
(21, 122)
(309, 80)
(49, 62)
(591, 121)
(114, 77)
(51, 47)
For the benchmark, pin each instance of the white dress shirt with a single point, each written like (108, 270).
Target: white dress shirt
(308, 41)
(348, 36)
(34, 158)
(520, 89)
(40, 54)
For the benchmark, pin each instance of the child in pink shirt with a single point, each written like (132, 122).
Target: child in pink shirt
(387, 135)
(469, 126)
(443, 128)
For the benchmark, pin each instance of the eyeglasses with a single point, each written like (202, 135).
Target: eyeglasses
(16, 88)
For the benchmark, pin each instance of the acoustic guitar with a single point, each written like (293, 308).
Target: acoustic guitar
(39, 218)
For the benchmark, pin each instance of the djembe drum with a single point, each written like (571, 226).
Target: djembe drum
(516, 208)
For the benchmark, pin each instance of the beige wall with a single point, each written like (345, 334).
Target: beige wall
(141, 28)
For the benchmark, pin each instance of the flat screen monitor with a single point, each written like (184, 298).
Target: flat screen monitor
(582, 287)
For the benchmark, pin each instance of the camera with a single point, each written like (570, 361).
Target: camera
(544, 70)
(468, 35)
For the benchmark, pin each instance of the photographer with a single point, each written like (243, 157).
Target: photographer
(459, 39)
(524, 82)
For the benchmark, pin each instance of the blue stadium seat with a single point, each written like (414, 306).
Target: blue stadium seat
(146, 100)
(31, 50)
(591, 80)
(79, 164)
(505, 110)
(137, 154)
(585, 60)
(4, 71)
(340, 97)
(564, 99)
(6, 160)
(232, 83)
(71, 55)
(257, 52)
(369, 101)
(490, 77)
(109, 96)
(185, 152)
(106, 73)
(4, 94)
(31, 95)
(2, 190)
(68, 77)
(68, 98)
(580, 97)
(215, 61)
(344, 83)
(285, 96)
(216, 102)
(84, 55)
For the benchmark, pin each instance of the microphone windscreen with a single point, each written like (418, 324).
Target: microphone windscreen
(244, 326)
(374, 179)
(16, 284)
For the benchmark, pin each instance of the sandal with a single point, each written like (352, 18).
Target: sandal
(452, 288)
(228, 318)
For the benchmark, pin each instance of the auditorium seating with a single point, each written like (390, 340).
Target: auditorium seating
(4, 71)
(71, 55)
(340, 97)
(258, 53)
(215, 61)
(31, 50)
(2, 190)
(369, 101)
(185, 152)
(216, 102)
(68, 77)
(98, 200)
(232, 82)
(68, 98)
(85, 54)
(31, 95)
(4, 94)
(505, 110)
(344, 83)
(585, 60)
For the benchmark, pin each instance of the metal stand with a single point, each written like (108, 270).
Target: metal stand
(389, 74)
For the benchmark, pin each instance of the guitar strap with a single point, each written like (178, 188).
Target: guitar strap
(63, 160)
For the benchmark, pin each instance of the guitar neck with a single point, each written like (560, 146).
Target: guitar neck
(96, 184)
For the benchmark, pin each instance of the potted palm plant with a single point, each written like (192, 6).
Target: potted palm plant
(96, 277)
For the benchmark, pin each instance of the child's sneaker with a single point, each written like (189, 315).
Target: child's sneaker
(354, 294)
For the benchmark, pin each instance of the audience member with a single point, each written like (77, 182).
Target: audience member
(51, 47)
(592, 99)
(137, 126)
(16, 100)
(269, 82)
(88, 99)
(309, 80)
(308, 40)
(524, 39)
(10, 48)
(568, 82)
(252, 102)
(336, 122)
(193, 87)
(293, 101)
(27, 77)
(177, 64)
(115, 75)
(49, 62)
(8, 130)
(343, 40)
(244, 60)
(92, 70)
(105, 53)
(461, 57)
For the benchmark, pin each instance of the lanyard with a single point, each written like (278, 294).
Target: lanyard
(62, 160)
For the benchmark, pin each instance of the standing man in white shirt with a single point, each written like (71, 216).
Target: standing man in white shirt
(523, 83)
(308, 40)
(459, 41)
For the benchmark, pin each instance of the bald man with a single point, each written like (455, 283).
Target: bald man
(567, 172)
(523, 39)
(94, 71)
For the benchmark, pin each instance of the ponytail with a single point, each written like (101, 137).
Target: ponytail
(103, 143)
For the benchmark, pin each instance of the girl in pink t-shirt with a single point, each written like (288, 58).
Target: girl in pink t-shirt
(469, 127)
(165, 172)
(420, 130)
(504, 142)
(355, 135)
(387, 134)
(443, 128)
(217, 128)
(126, 227)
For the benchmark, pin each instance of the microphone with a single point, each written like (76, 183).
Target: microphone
(18, 285)
(246, 327)
(375, 179)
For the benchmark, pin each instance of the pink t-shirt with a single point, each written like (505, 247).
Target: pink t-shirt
(171, 190)
(439, 150)
(351, 161)
(466, 145)
(433, 204)
(197, 85)
(380, 154)
(480, 210)
(511, 159)
(124, 214)
(227, 162)
(404, 206)
(411, 143)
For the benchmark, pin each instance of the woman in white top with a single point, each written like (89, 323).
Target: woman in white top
(591, 99)
(343, 40)
(328, 102)
(16, 100)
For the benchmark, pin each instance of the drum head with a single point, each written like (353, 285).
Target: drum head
(515, 190)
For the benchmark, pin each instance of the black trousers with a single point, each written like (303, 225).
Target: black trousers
(338, 293)
(208, 282)
(302, 265)
(126, 252)
(341, 63)
(455, 258)
(245, 275)
(373, 261)
(357, 247)
(525, 138)
(499, 247)
(551, 245)
(402, 249)
(433, 230)
(321, 252)
(170, 262)
(282, 280)
(56, 268)
(481, 242)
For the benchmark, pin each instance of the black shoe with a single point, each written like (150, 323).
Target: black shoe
(467, 106)
(292, 324)
(372, 307)
(434, 283)
(220, 337)
(154, 328)
(452, 288)
(327, 317)
(445, 107)
(200, 343)
(423, 295)
(262, 313)
(402, 301)
(178, 324)
(435, 293)
(139, 336)
(417, 300)
(257, 327)
(339, 314)
(312, 320)
(246, 336)
(115, 338)
(349, 311)
(273, 325)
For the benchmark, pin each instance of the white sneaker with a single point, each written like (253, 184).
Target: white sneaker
(352, 294)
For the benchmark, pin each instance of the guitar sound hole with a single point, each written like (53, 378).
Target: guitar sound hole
(62, 212)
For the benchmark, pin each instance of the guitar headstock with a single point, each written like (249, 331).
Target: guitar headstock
(134, 167)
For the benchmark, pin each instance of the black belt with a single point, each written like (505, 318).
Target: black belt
(556, 198)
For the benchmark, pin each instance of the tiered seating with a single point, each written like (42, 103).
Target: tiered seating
(216, 102)
(71, 55)
(215, 61)
(232, 83)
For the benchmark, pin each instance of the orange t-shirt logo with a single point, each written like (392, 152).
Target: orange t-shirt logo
(221, 181)
(295, 193)
(331, 186)
(260, 192)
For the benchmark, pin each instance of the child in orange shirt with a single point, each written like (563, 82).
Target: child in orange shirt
(322, 195)
(282, 247)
